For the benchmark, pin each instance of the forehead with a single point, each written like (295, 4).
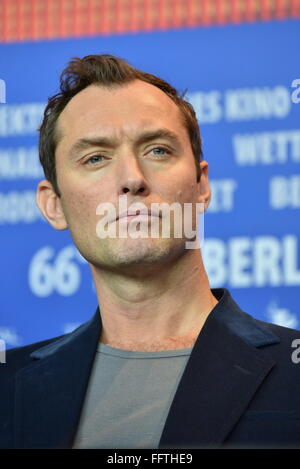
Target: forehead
(120, 109)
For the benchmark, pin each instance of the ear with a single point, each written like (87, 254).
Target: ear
(50, 205)
(204, 192)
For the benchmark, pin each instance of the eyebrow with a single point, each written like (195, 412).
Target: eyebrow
(144, 137)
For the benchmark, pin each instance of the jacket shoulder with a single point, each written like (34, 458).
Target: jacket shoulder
(18, 357)
(284, 333)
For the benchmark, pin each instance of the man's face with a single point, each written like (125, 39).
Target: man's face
(156, 170)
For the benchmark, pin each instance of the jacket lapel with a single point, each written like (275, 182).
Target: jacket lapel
(223, 373)
(50, 391)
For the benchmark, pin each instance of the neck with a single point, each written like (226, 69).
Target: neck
(159, 310)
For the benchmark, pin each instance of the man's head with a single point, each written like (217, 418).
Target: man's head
(99, 141)
(109, 72)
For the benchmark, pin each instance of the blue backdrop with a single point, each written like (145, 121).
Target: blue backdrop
(244, 82)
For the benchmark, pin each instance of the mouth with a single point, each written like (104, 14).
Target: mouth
(139, 214)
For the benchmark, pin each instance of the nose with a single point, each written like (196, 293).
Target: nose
(131, 178)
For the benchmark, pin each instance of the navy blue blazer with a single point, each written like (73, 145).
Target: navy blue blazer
(240, 387)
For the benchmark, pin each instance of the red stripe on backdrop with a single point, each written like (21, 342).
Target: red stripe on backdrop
(103, 14)
(235, 11)
(41, 19)
(118, 18)
(5, 20)
(147, 15)
(176, 14)
(19, 20)
(76, 26)
(62, 19)
(126, 12)
(190, 12)
(89, 23)
(220, 11)
(47, 19)
(132, 16)
(33, 18)
(141, 16)
(143, 19)
(265, 11)
(162, 14)
(295, 7)
(250, 10)
(99, 16)
(205, 13)
(280, 9)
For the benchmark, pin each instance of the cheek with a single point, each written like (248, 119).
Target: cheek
(80, 209)
(180, 190)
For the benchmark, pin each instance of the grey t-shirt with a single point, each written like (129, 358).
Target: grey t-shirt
(129, 397)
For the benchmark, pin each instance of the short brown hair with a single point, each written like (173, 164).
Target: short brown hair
(108, 71)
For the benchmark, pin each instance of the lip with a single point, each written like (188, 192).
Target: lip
(142, 215)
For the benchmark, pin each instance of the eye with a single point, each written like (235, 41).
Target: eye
(93, 160)
(160, 149)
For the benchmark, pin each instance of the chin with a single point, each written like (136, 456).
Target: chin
(146, 252)
(136, 255)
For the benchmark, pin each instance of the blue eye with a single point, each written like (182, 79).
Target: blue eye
(161, 149)
(94, 159)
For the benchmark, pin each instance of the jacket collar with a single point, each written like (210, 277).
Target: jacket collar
(226, 311)
(86, 329)
(50, 391)
(240, 323)
(224, 371)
